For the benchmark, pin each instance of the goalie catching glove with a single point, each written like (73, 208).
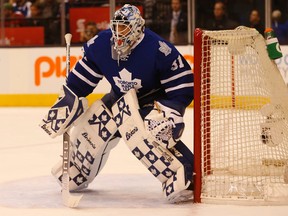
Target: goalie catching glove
(66, 110)
(165, 124)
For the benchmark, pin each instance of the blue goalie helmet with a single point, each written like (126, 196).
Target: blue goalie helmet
(127, 27)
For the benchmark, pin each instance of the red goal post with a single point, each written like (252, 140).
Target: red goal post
(240, 120)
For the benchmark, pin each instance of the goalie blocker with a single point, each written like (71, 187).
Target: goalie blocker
(66, 111)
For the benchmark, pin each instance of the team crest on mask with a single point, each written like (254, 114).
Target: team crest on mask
(125, 81)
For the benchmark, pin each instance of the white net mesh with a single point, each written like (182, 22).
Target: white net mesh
(244, 119)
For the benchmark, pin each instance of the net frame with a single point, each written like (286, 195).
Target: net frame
(264, 182)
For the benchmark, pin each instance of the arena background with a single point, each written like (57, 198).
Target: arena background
(33, 70)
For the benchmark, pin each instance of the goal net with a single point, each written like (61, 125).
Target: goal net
(240, 120)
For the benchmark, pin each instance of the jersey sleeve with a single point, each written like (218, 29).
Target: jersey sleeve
(176, 77)
(85, 76)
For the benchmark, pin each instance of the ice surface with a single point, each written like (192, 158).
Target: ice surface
(124, 187)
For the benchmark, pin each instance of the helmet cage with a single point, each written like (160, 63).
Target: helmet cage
(122, 33)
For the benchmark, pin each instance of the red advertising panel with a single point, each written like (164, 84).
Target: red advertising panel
(23, 36)
(80, 16)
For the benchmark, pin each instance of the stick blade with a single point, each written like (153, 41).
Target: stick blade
(70, 200)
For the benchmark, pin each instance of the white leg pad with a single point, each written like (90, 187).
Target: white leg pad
(92, 140)
(175, 187)
(158, 160)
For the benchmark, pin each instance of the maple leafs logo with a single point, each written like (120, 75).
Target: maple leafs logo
(125, 82)
(164, 48)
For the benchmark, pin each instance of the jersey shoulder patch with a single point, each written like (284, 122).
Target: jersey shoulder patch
(164, 48)
(92, 40)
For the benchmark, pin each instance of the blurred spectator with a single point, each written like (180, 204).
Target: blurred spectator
(51, 9)
(51, 13)
(12, 19)
(90, 31)
(149, 12)
(22, 6)
(255, 21)
(178, 23)
(220, 20)
(171, 22)
(280, 27)
(36, 18)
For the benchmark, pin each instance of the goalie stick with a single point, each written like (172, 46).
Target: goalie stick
(68, 199)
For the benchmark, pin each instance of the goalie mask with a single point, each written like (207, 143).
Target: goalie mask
(127, 27)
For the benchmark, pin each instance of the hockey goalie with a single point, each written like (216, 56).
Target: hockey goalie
(151, 86)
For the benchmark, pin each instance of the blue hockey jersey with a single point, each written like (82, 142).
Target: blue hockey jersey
(153, 65)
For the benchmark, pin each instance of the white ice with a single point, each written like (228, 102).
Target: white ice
(124, 187)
